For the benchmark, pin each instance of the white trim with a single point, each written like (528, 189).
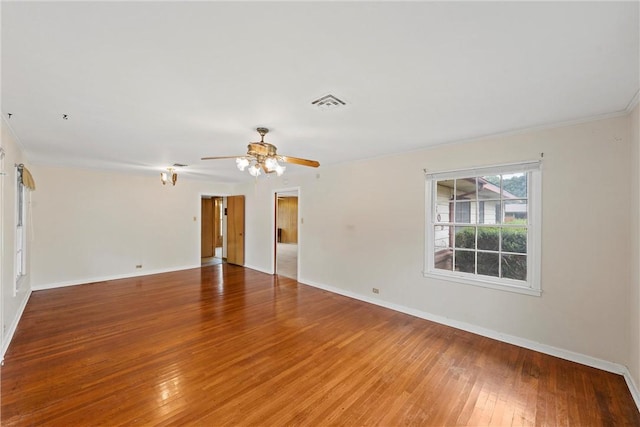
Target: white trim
(88, 280)
(14, 325)
(569, 355)
(224, 221)
(532, 286)
(633, 388)
(528, 166)
(274, 207)
(253, 267)
(478, 281)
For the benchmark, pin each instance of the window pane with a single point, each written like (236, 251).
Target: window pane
(514, 267)
(489, 238)
(487, 212)
(488, 264)
(515, 185)
(489, 187)
(444, 204)
(463, 211)
(466, 237)
(514, 240)
(465, 261)
(442, 211)
(465, 194)
(441, 237)
(446, 186)
(498, 212)
(443, 259)
(21, 198)
(515, 211)
(466, 188)
(443, 254)
(491, 179)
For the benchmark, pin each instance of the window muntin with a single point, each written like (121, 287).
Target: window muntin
(483, 226)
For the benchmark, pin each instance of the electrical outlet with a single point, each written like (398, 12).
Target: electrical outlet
(138, 265)
(375, 290)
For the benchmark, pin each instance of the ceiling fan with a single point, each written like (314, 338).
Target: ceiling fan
(263, 157)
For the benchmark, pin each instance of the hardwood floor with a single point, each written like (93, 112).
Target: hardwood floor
(224, 345)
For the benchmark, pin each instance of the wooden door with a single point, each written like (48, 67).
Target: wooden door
(206, 229)
(235, 230)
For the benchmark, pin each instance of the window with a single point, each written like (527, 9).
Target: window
(483, 226)
(21, 225)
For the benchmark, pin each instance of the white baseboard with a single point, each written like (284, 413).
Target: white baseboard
(261, 270)
(14, 325)
(633, 387)
(111, 277)
(572, 356)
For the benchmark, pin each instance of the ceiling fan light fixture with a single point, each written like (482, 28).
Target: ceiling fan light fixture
(254, 170)
(242, 163)
(263, 157)
(271, 163)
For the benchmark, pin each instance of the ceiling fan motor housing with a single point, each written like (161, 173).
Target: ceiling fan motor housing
(261, 149)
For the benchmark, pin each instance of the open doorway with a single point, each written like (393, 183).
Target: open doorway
(212, 231)
(286, 233)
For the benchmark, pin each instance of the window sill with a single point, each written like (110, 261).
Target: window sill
(484, 284)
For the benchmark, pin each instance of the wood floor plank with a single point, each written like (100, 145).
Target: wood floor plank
(224, 345)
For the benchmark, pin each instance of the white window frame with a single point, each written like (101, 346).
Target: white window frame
(534, 228)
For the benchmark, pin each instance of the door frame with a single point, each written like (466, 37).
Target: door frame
(199, 221)
(274, 227)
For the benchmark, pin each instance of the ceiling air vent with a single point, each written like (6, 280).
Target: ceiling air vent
(328, 102)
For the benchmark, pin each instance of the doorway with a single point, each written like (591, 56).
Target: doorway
(212, 230)
(286, 233)
(222, 230)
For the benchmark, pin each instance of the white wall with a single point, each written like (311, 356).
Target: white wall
(634, 300)
(12, 302)
(364, 228)
(92, 225)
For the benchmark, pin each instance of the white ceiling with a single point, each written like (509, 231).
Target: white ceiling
(149, 84)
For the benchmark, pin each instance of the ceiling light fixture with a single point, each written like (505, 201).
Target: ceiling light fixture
(169, 175)
(261, 156)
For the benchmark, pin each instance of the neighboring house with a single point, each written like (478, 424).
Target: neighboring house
(467, 201)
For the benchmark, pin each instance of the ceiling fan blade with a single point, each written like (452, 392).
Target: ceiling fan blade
(299, 161)
(221, 157)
